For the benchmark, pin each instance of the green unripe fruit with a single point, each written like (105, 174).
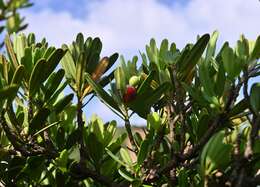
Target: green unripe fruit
(134, 81)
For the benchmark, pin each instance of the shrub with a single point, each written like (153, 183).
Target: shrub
(201, 110)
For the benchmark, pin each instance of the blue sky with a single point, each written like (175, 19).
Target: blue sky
(125, 26)
(77, 10)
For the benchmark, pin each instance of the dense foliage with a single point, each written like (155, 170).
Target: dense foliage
(202, 114)
(201, 106)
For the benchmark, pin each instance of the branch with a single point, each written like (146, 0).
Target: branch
(130, 134)
(80, 123)
(22, 147)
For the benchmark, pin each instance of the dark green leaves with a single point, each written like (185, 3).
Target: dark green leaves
(104, 96)
(95, 148)
(255, 97)
(8, 92)
(211, 46)
(36, 78)
(144, 148)
(52, 62)
(53, 83)
(62, 103)
(215, 154)
(191, 59)
(256, 51)
(39, 120)
(18, 75)
(81, 58)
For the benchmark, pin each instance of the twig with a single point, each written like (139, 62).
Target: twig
(30, 109)
(130, 134)
(80, 123)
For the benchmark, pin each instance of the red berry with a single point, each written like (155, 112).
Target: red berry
(129, 94)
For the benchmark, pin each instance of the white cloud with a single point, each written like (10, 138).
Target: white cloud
(126, 26)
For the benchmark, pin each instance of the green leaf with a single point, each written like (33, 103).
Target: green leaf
(124, 67)
(34, 167)
(242, 48)
(114, 157)
(147, 97)
(19, 45)
(112, 59)
(206, 80)
(95, 148)
(97, 127)
(18, 75)
(138, 138)
(240, 107)
(31, 39)
(62, 103)
(68, 65)
(50, 51)
(142, 154)
(52, 62)
(109, 132)
(63, 160)
(10, 51)
(194, 55)
(125, 174)
(39, 120)
(256, 51)
(45, 128)
(80, 67)
(116, 145)
(126, 157)
(36, 78)
(157, 93)
(104, 96)
(27, 61)
(212, 46)
(8, 92)
(80, 40)
(53, 83)
(255, 97)
(231, 64)
(220, 81)
(120, 79)
(154, 121)
(215, 154)
(144, 87)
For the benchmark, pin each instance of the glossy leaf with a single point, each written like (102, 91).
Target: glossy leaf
(53, 83)
(256, 51)
(36, 78)
(194, 55)
(211, 45)
(231, 65)
(18, 75)
(68, 65)
(52, 62)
